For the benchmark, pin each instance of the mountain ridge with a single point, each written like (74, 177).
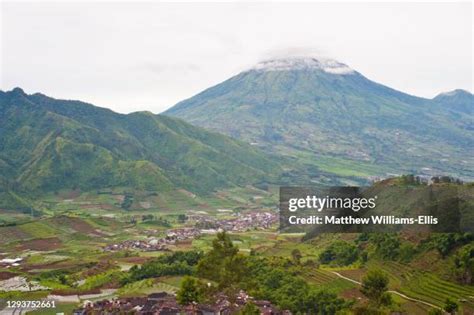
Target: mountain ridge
(306, 111)
(49, 144)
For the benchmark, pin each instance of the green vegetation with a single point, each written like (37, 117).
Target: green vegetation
(102, 279)
(342, 127)
(279, 268)
(250, 309)
(190, 292)
(223, 263)
(450, 306)
(293, 271)
(65, 308)
(178, 263)
(435, 311)
(339, 253)
(81, 178)
(387, 246)
(49, 145)
(144, 287)
(464, 264)
(423, 284)
(277, 280)
(445, 243)
(375, 287)
(127, 202)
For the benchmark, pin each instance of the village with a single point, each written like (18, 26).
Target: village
(200, 224)
(156, 244)
(162, 303)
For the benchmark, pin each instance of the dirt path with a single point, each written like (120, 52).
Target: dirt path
(391, 291)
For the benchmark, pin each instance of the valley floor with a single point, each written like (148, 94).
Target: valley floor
(84, 243)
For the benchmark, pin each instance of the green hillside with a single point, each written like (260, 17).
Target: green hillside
(456, 102)
(49, 145)
(333, 118)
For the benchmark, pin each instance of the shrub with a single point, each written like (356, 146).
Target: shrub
(339, 253)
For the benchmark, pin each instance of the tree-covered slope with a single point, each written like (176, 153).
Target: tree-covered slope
(50, 144)
(323, 110)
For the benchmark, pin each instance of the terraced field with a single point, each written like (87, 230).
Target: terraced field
(59, 226)
(171, 202)
(427, 286)
(328, 280)
(144, 287)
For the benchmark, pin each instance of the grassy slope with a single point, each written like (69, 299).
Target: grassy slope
(348, 119)
(50, 144)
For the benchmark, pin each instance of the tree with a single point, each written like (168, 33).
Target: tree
(225, 265)
(222, 246)
(323, 302)
(339, 253)
(296, 255)
(450, 306)
(189, 291)
(62, 279)
(147, 217)
(406, 253)
(250, 309)
(127, 202)
(211, 264)
(464, 264)
(387, 245)
(446, 242)
(182, 218)
(375, 287)
(276, 279)
(177, 263)
(435, 311)
(234, 270)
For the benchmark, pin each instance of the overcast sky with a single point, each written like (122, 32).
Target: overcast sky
(149, 56)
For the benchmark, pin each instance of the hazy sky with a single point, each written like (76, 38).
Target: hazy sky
(149, 56)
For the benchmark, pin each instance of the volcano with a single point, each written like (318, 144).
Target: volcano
(324, 114)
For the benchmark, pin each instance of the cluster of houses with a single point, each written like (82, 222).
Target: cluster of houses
(156, 244)
(142, 245)
(165, 304)
(203, 224)
(241, 223)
